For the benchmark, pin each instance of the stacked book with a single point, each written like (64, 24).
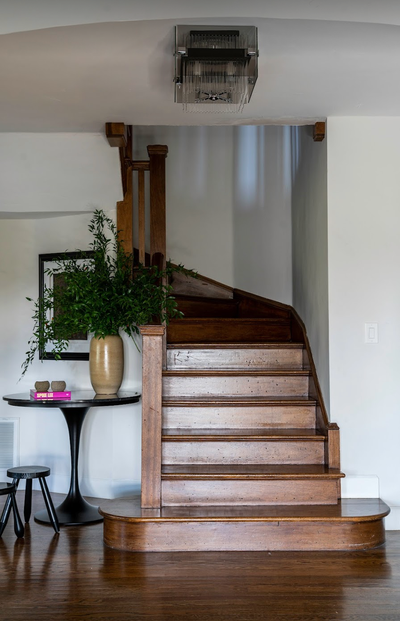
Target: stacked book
(51, 396)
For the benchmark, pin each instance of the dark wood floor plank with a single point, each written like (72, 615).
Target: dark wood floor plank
(73, 577)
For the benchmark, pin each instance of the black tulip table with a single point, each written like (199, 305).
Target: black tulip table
(74, 509)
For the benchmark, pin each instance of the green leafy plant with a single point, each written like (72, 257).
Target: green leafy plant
(100, 295)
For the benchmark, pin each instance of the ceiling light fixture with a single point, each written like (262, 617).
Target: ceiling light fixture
(215, 67)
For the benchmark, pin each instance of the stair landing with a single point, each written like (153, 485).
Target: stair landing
(352, 524)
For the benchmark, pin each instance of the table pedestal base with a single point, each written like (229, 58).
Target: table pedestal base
(72, 511)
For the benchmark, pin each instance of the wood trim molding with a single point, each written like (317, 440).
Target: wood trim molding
(319, 131)
(115, 133)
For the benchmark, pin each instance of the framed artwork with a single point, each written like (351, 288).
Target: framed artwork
(78, 348)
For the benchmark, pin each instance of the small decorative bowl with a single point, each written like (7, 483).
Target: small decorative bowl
(42, 386)
(58, 386)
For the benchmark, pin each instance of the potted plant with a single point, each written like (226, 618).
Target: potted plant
(101, 295)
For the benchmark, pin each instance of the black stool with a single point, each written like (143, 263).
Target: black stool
(10, 489)
(35, 472)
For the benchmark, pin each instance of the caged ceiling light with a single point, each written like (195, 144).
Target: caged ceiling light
(215, 67)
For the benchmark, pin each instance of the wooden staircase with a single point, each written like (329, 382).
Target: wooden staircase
(238, 452)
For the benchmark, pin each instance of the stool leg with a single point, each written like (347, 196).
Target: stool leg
(28, 500)
(18, 526)
(6, 510)
(49, 504)
(5, 514)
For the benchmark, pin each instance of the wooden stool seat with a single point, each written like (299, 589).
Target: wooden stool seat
(29, 473)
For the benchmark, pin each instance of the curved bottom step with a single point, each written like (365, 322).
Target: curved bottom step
(352, 524)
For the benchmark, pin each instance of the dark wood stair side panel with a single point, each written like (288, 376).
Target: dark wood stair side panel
(250, 305)
(199, 286)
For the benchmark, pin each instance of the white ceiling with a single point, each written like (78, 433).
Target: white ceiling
(73, 66)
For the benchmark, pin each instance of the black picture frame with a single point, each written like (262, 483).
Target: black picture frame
(50, 258)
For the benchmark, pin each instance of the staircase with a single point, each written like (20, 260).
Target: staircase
(245, 457)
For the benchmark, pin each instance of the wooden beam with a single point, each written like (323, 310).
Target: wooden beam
(319, 131)
(115, 133)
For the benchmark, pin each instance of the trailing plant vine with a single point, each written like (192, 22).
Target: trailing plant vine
(100, 295)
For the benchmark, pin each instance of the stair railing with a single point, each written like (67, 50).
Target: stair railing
(131, 211)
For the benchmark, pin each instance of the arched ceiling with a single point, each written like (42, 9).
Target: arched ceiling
(73, 66)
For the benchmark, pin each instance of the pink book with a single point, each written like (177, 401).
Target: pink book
(60, 396)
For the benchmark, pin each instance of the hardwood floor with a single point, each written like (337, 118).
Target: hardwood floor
(73, 576)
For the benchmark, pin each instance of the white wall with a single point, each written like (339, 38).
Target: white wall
(55, 173)
(364, 259)
(50, 184)
(262, 232)
(199, 195)
(310, 245)
(47, 176)
(228, 203)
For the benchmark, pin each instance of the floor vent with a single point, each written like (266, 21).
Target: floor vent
(9, 444)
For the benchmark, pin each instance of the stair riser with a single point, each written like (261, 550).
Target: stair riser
(249, 492)
(208, 308)
(207, 536)
(301, 417)
(186, 332)
(234, 359)
(260, 452)
(236, 386)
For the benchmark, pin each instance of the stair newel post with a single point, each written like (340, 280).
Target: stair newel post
(152, 349)
(158, 224)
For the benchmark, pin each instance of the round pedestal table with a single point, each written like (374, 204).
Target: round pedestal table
(74, 509)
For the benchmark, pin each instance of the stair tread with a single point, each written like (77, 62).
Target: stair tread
(249, 471)
(237, 401)
(348, 509)
(182, 434)
(236, 372)
(235, 346)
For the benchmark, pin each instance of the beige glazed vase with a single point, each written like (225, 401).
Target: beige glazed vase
(106, 363)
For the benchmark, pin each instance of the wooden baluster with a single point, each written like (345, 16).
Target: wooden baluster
(157, 155)
(125, 215)
(152, 349)
(142, 219)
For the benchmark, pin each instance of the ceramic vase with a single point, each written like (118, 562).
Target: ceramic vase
(106, 363)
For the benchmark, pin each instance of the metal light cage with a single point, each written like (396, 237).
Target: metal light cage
(215, 67)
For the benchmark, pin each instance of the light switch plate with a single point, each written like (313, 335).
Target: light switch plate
(371, 333)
